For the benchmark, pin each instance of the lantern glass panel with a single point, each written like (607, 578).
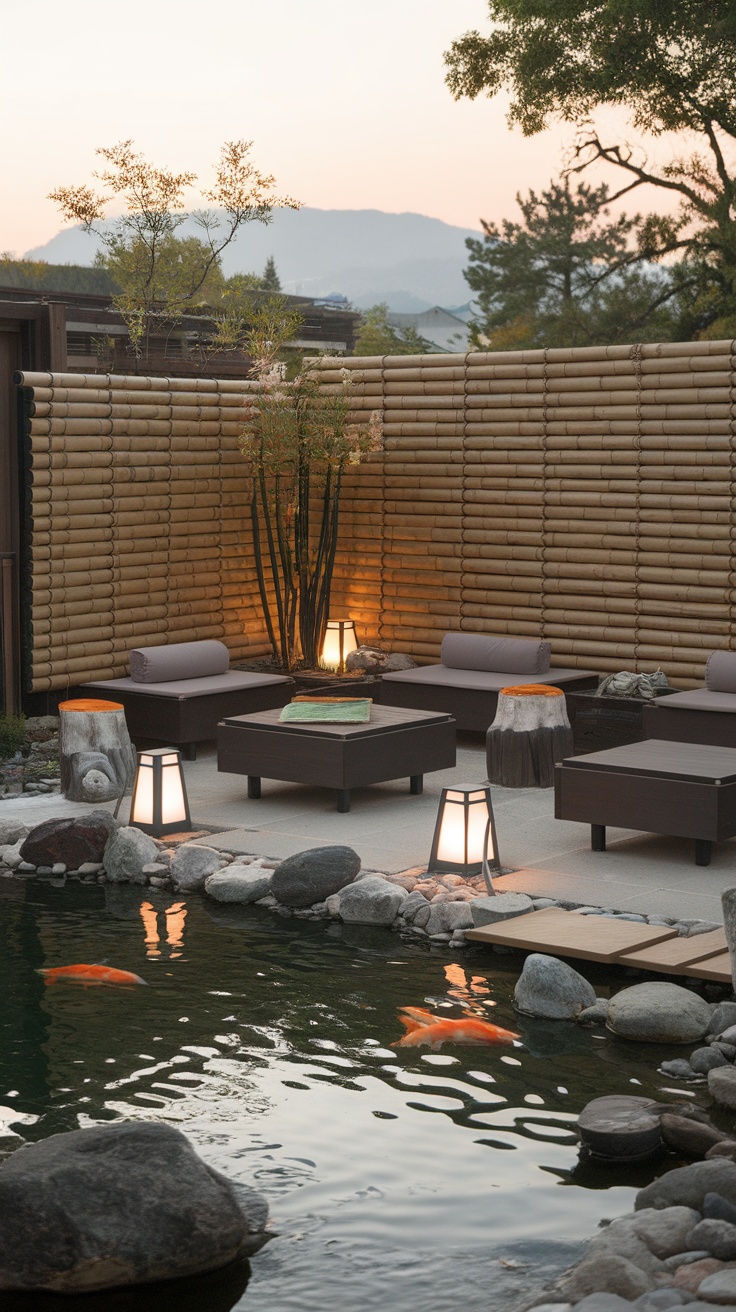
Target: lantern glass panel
(142, 812)
(173, 806)
(340, 640)
(451, 845)
(477, 821)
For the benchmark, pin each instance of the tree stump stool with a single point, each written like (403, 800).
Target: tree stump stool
(530, 732)
(96, 755)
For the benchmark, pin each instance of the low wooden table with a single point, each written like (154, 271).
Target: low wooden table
(684, 789)
(393, 744)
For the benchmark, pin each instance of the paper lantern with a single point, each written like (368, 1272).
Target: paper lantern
(340, 640)
(464, 840)
(160, 804)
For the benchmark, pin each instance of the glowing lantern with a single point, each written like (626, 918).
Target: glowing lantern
(160, 803)
(340, 640)
(464, 840)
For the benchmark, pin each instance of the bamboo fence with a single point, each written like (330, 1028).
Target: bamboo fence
(585, 495)
(138, 525)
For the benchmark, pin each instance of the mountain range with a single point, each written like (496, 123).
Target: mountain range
(410, 261)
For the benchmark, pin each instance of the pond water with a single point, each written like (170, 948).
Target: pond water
(395, 1177)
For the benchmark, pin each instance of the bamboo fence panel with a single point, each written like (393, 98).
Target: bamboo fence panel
(138, 522)
(585, 495)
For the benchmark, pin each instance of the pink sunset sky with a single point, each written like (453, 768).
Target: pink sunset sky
(344, 99)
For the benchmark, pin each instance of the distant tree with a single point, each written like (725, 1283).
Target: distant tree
(161, 280)
(376, 336)
(38, 275)
(564, 276)
(270, 281)
(673, 67)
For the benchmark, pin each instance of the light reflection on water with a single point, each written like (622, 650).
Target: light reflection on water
(393, 1175)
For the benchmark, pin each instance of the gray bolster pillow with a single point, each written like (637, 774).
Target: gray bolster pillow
(720, 672)
(482, 651)
(180, 660)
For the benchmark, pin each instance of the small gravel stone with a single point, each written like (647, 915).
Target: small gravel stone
(604, 1303)
(702, 927)
(595, 1015)
(724, 1015)
(58, 868)
(43, 870)
(684, 1259)
(26, 868)
(661, 1299)
(540, 903)
(722, 1086)
(689, 1277)
(719, 1287)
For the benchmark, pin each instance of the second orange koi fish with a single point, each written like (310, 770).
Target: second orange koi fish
(84, 974)
(424, 1028)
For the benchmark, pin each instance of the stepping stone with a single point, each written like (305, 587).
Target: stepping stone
(672, 956)
(565, 934)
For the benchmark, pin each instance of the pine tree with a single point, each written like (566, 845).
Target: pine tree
(270, 282)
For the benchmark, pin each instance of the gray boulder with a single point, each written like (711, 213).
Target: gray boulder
(549, 987)
(10, 855)
(664, 1232)
(371, 901)
(72, 841)
(237, 883)
(688, 1136)
(398, 661)
(446, 917)
(724, 1016)
(658, 1013)
(687, 1185)
(718, 1237)
(719, 1288)
(706, 1059)
(412, 904)
(502, 906)
(606, 1272)
(128, 850)
(192, 864)
(116, 1205)
(722, 1085)
(313, 875)
(11, 832)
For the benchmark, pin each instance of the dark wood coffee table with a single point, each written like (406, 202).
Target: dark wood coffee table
(395, 743)
(684, 789)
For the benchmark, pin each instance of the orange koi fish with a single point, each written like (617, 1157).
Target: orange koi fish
(435, 1032)
(90, 975)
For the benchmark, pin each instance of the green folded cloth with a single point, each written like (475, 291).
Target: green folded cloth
(357, 711)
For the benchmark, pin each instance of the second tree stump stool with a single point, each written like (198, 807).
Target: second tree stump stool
(530, 732)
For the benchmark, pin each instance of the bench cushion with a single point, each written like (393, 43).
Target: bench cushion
(483, 651)
(483, 680)
(233, 681)
(699, 699)
(178, 660)
(720, 672)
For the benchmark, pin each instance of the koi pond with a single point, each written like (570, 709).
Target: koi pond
(395, 1176)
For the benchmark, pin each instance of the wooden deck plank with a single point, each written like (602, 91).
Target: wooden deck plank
(674, 954)
(715, 968)
(566, 934)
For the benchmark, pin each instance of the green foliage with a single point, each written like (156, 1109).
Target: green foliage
(377, 336)
(563, 276)
(270, 281)
(12, 734)
(299, 439)
(673, 67)
(38, 275)
(171, 279)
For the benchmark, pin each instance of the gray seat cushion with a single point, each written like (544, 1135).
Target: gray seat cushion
(484, 680)
(720, 672)
(179, 660)
(484, 651)
(233, 681)
(699, 699)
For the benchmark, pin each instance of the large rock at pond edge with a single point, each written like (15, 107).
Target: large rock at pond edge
(72, 841)
(688, 1185)
(312, 876)
(128, 851)
(238, 883)
(549, 987)
(192, 864)
(658, 1013)
(116, 1205)
(371, 901)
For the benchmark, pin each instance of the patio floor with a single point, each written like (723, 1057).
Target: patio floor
(392, 830)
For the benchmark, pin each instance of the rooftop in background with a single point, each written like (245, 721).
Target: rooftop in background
(445, 329)
(93, 337)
